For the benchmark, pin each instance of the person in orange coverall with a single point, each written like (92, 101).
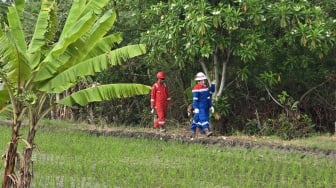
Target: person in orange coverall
(159, 101)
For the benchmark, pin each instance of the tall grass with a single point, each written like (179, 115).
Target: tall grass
(68, 158)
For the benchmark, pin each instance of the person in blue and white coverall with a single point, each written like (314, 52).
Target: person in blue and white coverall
(202, 105)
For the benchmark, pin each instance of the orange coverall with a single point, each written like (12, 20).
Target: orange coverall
(160, 100)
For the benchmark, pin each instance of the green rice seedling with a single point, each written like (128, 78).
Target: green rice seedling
(327, 175)
(70, 158)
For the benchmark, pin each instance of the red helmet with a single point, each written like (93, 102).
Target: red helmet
(161, 75)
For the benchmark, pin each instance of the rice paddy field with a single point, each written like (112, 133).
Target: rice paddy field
(66, 158)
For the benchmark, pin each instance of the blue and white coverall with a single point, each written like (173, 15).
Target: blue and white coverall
(202, 100)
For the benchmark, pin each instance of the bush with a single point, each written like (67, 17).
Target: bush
(285, 127)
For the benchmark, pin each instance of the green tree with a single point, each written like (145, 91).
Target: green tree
(34, 70)
(216, 33)
(252, 43)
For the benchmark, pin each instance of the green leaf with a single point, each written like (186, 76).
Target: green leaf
(38, 39)
(6, 111)
(16, 29)
(79, 49)
(105, 92)
(59, 54)
(74, 13)
(19, 4)
(69, 77)
(14, 62)
(84, 39)
(96, 6)
(99, 30)
(4, 96)
(80, 27)
(105, 45)
(79, 8)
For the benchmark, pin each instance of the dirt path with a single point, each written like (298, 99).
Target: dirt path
(184, 136)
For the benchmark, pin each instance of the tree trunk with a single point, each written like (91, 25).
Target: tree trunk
(12, 158)
(224, 70)
(10, 179)
(24, 173)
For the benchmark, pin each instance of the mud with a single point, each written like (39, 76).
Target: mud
(221, 141)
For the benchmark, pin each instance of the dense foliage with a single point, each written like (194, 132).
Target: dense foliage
(273, 61)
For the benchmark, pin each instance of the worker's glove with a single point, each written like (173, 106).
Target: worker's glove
(196, 111)
(213, 82)
(152, 111)
(212, 109)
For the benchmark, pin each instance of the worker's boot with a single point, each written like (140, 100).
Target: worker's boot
(208, 133)
(162, 129)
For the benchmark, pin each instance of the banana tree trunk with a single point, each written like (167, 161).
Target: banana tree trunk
(24, 173)
(11, 158)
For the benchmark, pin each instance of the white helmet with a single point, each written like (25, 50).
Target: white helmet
(200, 76)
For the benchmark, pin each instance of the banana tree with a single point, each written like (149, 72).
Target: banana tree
(34, 69)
